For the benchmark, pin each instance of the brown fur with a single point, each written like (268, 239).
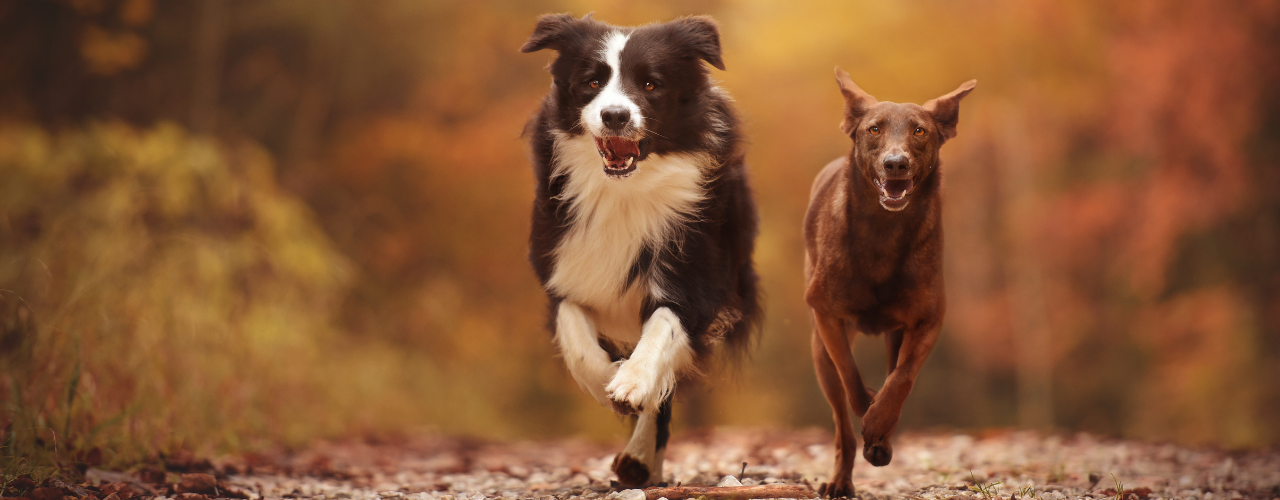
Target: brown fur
(872, 270)
(631, 472)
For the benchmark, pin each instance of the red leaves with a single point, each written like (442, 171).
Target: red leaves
(198, 483)
(198, 486)
(146, 483)
(120, 490)
(45, 493)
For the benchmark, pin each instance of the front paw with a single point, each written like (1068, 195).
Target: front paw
(839, 487)
(631, 391)
(877, 429)
(878, 454)
(623, 408)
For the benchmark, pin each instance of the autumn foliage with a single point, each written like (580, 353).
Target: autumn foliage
(225, 225)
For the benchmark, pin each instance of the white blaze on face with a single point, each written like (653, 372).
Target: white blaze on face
(612, 94)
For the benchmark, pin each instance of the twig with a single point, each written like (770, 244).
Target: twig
(732, 492)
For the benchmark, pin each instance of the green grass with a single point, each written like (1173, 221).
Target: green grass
(1119, 486)
(987, 490)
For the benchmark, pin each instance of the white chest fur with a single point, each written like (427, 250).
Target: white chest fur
(612, 220)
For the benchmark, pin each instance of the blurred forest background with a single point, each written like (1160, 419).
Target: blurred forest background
(226, 225)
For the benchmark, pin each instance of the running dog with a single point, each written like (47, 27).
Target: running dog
(873, 262)
(643, 221)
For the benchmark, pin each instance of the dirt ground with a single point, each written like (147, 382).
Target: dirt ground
(925, 466)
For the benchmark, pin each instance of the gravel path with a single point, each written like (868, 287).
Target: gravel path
(925, 466)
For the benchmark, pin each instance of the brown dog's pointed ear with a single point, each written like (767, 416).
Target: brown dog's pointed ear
(550, 33)
(702, 35)
(946, 109)
(856, 102)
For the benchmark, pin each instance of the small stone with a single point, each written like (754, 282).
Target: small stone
(631, 495)
(728, 481)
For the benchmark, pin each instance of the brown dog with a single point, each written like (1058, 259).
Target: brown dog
(873, 262)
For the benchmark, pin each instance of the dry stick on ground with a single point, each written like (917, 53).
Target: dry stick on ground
(732, 492)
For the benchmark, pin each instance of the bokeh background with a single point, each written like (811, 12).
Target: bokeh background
(228, 225)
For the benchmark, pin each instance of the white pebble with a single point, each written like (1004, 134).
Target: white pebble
(728, 481)
(631, 495)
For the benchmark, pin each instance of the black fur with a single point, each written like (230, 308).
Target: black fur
(709, 281)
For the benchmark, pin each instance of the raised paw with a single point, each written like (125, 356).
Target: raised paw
(837, 488)
(878, 454)
(630, 470)
(631, 391)
(624, 408)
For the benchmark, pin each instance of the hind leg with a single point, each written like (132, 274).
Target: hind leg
(640, 463)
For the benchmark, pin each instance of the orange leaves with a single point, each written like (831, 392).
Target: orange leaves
(107, 53)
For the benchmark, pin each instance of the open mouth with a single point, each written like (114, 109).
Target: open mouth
(893, 192)
(619, 154)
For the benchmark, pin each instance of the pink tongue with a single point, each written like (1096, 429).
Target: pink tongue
(897, 187)
(617, 149)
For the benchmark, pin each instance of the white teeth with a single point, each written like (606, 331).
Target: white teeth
(630, 160)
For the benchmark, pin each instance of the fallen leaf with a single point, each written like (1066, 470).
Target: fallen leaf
(121, 490)
(45, 493)
(229, 490)
(197, 482)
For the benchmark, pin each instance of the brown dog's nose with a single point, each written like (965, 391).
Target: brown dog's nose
(898, 162)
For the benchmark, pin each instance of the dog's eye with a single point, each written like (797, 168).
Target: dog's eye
(649, 86)
(595, 84)
(875, 130)
(919, 130)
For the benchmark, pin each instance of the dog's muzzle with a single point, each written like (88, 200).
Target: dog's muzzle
(619, 154)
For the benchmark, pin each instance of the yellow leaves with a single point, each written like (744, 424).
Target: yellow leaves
(173, 275)
(107, 53)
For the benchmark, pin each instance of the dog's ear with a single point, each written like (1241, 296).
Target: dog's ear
(554, 31)
(856, 102)
(702, 36)
(946, 109)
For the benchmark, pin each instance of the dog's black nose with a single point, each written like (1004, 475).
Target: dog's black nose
(898, 162)
(615, 118)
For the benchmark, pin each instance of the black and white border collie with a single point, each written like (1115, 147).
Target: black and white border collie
(643, 222)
